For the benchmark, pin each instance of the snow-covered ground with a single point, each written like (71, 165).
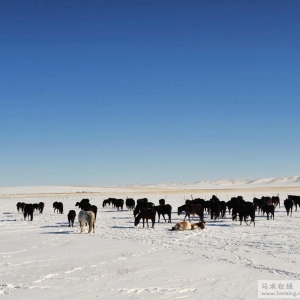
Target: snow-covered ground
(45, 259)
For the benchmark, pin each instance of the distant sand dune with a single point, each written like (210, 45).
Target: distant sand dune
(263, 185)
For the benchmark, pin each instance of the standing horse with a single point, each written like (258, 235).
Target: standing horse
(71, 217)
(86, 217)
(28, 211)
(164, 210)
(276, 201)
(41, 207)
(288, 204)
(191, 209)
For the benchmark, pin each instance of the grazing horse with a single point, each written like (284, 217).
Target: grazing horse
(140, 206)
(19, 206)
(71, 217)
(191, 209)
(147, 214)
(188, 226)
(288, 204)
(106, 202)
(86, 217)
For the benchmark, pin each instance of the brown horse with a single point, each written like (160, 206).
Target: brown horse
(191, 209)
(147, 214)
(188, 226)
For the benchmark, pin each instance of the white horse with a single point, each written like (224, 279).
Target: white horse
(86, 217)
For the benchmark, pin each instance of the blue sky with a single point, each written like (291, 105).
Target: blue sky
(123, 92)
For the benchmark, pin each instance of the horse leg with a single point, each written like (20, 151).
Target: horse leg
(91, 225)
(169, 215)
(147, 223)
(187, 215)
(164, 218)
(153, 222)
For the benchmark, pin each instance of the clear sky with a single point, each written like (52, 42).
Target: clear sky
(123, 92)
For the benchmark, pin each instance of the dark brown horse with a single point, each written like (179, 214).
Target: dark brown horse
(191, 209)
(146, 214)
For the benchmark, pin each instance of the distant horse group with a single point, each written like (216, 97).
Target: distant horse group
(29, 208)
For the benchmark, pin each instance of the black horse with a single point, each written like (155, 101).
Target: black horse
(164, 210)
(288, 204)
(82, 202)
(119, 203)
(269, 210)
(28, 211)
(71, 217)
(244, 210)
(130, 204)
(58, 207)
(41, 206)
(146, 214)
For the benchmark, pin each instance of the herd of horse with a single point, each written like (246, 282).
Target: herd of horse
(144, 210)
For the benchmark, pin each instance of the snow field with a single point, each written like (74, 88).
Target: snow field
(47, 259)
